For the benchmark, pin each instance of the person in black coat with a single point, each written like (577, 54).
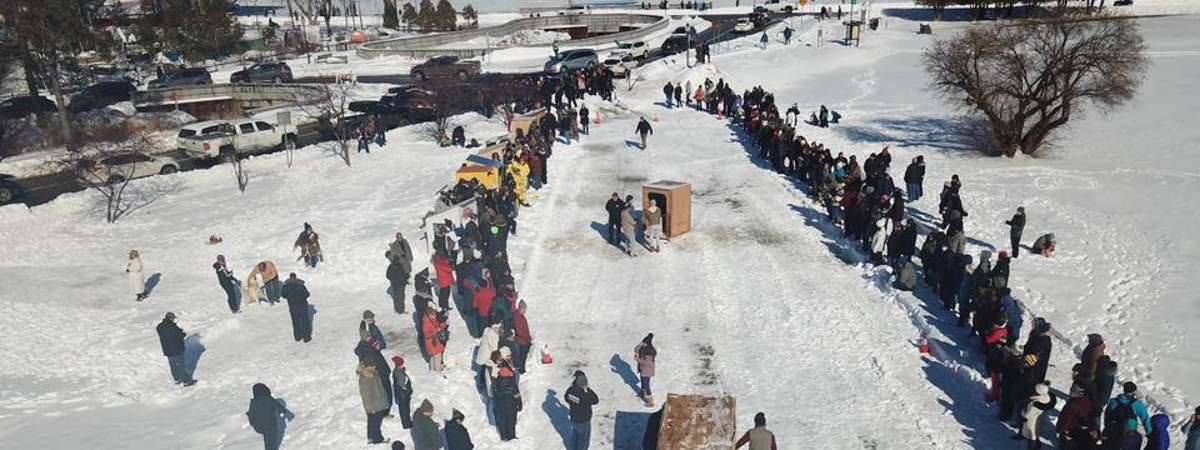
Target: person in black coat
(952, 276)
(457, 437)
(580, 399)
(170, 336)
(506, 397)
(231, 286)
(914, 178)
(1016, 227)
(264, 414)
(397, 281)
(402, 387)
(297, 300)
(614, 206)
(644, 129)
(1106, 378)
(1038, 346)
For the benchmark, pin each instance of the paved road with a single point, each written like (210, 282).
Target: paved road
(46, 188)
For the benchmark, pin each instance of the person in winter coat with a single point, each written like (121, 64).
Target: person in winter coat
(400, 259)
(1192, 430)
(457, 437)
(1044, 245)
(1074, 422)
(759, 437)
(1035, 414)
(995, 353)
(1105, 379)
(952, 279)
(403, 390)
(654, 232)
(297, 299)
(137, 280)
(669, 91)
(368, 331)
(614, 206)
(229, 284)
(1160, 434)
(445, 279)
(644, 129)
(489, 343)
(264, 278)
(628, 226)
(374, 399)
(1037, 352)
(368, 353)
(435, 330)
(580, 399)
(425, 432)
(1016, 226)
(678, 95)
(522, 337)
(310, 246)
(483, 298)
(506, 397)
(171, 338)
(645, 354)
(264, 414)
(1122, 416)
(914, 178)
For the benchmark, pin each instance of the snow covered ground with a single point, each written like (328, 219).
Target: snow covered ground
(757, 301)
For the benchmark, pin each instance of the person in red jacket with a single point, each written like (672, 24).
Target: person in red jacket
(436, 335)
(485, 297)
(523, 338)
(445, 279)
(993, 350)
(1074, 425)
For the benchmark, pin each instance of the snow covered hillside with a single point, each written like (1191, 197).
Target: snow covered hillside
(758, 301)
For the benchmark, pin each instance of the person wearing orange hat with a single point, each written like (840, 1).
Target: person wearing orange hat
(402, 386)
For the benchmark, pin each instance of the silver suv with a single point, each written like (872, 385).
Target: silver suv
(569, 60)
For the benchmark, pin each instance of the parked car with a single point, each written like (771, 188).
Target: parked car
(276, 72)
(442, 67)
(1123, 3)
(181, 77)
(227, 138)
(10, 190)
(397, 101)
(100, 95)
(781, 6)
(743, 25)
(760, 17)
(677, 43)
(637, 49)
(124, 166)
(18, 107)
(569, 60)
(620, 64)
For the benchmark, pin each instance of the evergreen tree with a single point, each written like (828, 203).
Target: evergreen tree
(469, 13)
(447, 17)
(391, 19)
(426, 16)
(409, 16)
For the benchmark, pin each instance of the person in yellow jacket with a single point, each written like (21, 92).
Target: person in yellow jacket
(520, 174)
(758, 437)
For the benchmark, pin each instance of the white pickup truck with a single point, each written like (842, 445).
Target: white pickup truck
(225, 138)
(781, 6)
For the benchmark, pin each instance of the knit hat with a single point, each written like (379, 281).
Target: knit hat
(1095, 338)
(760, 419)
(397, 445)
(169, 316)
(398, 361)
(649, 339)
(1041, 325)
(1003, 254)
(368, 315)
(457, 416)
(221, 259)
(425, 407)
(1129, 387)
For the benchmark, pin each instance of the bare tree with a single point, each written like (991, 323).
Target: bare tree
(109, 171)
(331, 111)
(243, 178)
(1027, 80)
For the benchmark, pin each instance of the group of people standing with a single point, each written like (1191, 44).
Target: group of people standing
(873, 211)
(622, 227)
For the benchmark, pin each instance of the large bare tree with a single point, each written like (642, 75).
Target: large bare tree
(1029, 79)
(332, 112)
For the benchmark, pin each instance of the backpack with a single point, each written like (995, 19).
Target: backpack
(1116, 422)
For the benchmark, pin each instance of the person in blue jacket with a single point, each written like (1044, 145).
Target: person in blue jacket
(1160, 434)
(1122, 416)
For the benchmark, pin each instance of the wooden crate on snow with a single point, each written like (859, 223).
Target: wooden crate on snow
(696, 422)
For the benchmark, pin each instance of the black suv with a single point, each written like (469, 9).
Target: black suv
(181, 77)
(100, 95)
(18, 107)
(677, 43)
(263, 73)
(10, 191)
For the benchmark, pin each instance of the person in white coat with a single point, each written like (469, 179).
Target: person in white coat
(137, 279)
(488, 343)
(1034, 420)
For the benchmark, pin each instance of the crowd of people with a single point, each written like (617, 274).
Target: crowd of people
(873, 211)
